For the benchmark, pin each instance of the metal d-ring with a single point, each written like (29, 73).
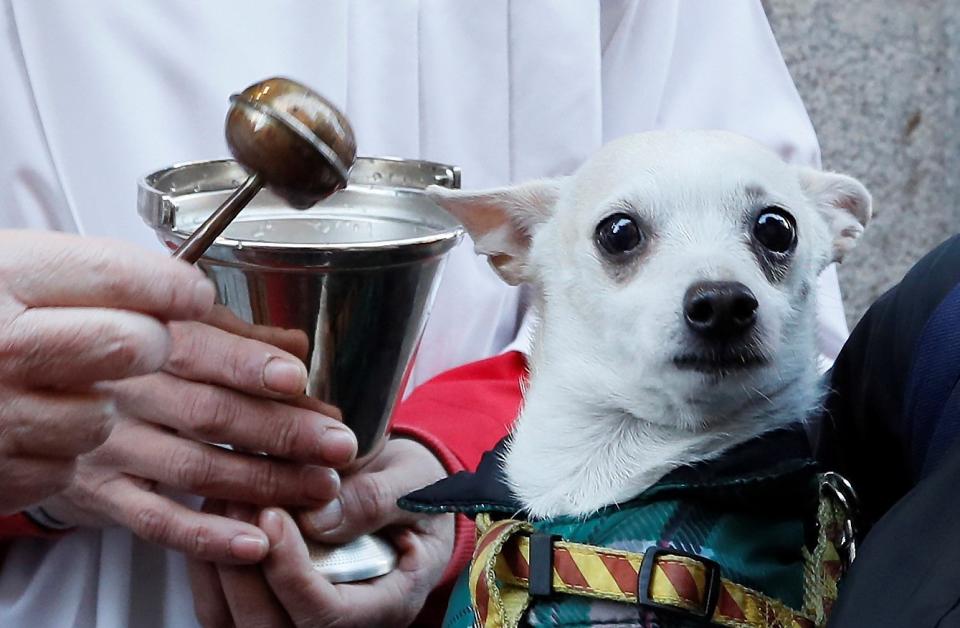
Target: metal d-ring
(842, 492)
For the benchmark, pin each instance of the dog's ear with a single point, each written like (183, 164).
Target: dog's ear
(502, 221)
(843, 202)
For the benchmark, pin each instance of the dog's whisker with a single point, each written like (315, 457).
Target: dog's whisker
(760, 392)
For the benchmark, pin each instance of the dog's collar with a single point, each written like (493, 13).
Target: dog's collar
(781, 456)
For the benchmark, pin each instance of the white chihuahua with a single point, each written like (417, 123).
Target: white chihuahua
(675, 275)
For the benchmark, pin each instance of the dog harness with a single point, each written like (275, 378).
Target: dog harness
(758, 538)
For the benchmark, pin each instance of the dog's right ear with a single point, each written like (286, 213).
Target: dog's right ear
(843, 202)
(502, 221)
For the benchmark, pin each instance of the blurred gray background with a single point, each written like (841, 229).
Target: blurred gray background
(881, 81)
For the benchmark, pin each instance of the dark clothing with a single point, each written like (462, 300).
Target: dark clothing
(892, 426)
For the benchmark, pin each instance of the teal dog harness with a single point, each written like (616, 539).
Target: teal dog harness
(756, 538)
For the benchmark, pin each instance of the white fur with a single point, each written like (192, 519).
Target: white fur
(607, 412)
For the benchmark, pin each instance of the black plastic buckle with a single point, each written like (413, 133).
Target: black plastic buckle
(712, 593)
(541, 564)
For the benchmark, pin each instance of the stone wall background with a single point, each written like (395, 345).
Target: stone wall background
(881, 81)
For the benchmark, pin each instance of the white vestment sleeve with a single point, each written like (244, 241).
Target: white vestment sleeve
(30, 192)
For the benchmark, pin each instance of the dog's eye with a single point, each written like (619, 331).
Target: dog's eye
(618, 234)
(776, 230)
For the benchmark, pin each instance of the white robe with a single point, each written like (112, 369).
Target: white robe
(97, 93)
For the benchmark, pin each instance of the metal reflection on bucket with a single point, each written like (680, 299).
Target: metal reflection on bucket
(356, 273)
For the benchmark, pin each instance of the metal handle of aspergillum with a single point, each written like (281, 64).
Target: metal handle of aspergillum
(355, 273)
(200, 240)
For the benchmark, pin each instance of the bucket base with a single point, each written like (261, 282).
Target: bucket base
(361, 559)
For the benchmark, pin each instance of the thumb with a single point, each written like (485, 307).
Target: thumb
(311, 600)
(307, 597)
(367, 502)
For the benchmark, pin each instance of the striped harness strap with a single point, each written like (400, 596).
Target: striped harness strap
(503, 577)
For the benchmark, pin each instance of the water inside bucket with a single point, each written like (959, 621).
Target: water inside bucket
(329, 229)
(346, 222)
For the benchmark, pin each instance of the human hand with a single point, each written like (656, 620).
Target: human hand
(75, 311)
(216, 387)
(285, 590)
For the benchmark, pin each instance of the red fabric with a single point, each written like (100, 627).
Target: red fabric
(462, 413)
(459, 415)
(19, 525)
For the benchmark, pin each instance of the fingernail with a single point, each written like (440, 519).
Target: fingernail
(338, 445)
(271, 523)
(284, 376)
(204, 294)
(322, 483)
(327, 518)
(248, 547)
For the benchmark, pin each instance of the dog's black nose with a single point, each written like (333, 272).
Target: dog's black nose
(719, 309)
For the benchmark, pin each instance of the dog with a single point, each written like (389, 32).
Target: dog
(675, 280)
(659, 457)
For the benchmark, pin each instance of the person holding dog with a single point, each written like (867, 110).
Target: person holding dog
(625, 66)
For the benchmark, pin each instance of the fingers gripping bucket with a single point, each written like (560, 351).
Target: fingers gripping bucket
(356, 274)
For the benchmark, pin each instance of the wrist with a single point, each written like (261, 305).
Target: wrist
(19, 526)
(436, 467)
(438, 450)
(47, 522)
(59, 512)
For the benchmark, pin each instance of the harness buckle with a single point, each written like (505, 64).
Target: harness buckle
(540, 580)
(711, 594)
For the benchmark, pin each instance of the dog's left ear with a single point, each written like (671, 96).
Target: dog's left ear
(502, 221)
(843, 202)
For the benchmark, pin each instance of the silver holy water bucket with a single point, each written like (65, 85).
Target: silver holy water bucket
(356, 273)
